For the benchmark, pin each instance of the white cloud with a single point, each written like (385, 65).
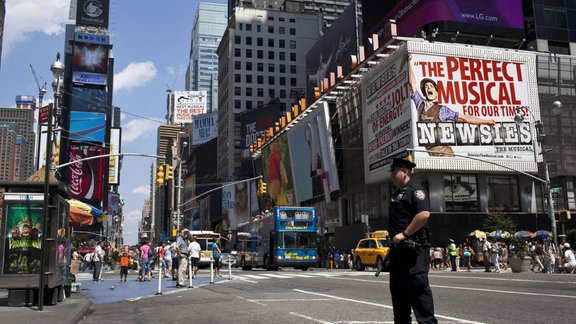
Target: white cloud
(138, 128)
(133, 216)
(24, 17)
(136, 74)
(141, 190)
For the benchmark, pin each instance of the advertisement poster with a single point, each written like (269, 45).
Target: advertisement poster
(88, 99)
(90, 63)
(312, 152)
(24, 216)
(466, 105)
(85, 178)
(387, 118)
(235, 206)
(93, 13)
(188, 104)
(277, 172)
(114, 161)
(87, 126)
(204, 128)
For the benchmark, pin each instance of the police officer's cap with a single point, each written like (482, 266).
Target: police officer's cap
(401, 163)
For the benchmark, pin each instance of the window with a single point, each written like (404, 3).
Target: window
(282, 68)
(281, 19)
(271, 29)
(270, 55)
(238, 65)
(282, 93)
(271, 18)
(270, 67)
(293, 69)
(248, 78)
(293, 57)
(292, 44)
(260, 92)
(292, 31)
(282, 43)
(271, 93)
(249, 103)
(270, 42)
(237, 91)
(282, 81)
(248, 27)
(237, 40)
(248, 66)
(241, 26)
(260, 54)
(260, 103)
(271, 80)
(503, 193)
(249, 41)
(260, 67)
(248, 94)
(237, 78)
(281, 30)
(292, 20)
(259, 41)
(258, 28)
(249, 53)
(237, 52)
(282, 56)
(260, 79)
(293, 82)
(237, 104)
(461, 192)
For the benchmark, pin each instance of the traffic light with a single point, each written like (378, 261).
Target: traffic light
(262, 187)
(169, 172)
(160, 175)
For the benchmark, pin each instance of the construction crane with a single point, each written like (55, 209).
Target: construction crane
(41, 89)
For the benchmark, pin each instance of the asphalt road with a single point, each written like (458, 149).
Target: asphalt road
(289, 296)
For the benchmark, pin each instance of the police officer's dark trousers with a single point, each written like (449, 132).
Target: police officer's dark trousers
(409, 286)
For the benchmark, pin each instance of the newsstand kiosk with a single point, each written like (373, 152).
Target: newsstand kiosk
(21, 237)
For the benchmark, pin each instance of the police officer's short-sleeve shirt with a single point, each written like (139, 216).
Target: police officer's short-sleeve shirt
(406, 203)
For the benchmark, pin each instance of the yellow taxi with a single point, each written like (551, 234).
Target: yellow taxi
(371, 251)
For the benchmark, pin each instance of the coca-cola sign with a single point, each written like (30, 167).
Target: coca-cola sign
(85, 177)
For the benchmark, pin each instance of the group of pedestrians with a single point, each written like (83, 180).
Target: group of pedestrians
(188, 253)
(453, 257)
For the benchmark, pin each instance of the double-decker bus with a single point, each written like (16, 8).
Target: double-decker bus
(286, 238)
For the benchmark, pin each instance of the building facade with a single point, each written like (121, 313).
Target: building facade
(8, 147)
(24, 119)
(550, 25)
(202, 73)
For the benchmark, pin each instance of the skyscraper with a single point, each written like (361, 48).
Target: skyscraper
(24, 119)
(202, 74)
(8, 139)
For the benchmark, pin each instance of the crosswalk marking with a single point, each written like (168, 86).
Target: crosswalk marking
(289, 275)
(253, 277)
(277, 276)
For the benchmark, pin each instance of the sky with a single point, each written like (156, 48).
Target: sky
(151, 46)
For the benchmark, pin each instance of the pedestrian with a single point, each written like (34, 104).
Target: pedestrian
(195, 249)
(168, 259)
(182, 249)
(536, 254)
(453, 254)
(87, 261)
(216, 254)
(175, 260)
(336, 259)
(124, 263)
(503, 256)
(569, 259)
(495, 255)
(549, 255)
(438, 258)
(409, 257)
(145, 260)
(98, 259)
(486, 247)
(467, 253)
(160, 257)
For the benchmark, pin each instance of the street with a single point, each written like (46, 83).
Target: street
(321, 296)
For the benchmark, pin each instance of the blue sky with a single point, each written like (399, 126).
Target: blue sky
(151, 47)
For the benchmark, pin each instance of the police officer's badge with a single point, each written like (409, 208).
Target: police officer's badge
(420, 194)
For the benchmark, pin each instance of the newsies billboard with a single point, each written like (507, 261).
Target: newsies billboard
(448, 98)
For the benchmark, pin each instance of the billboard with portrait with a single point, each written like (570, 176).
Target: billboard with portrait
(23, 219)
(90, 63)
(88, 99)
(86, 126)
(277, 173)
(235, 205)
(85, 178)
(312, 153)
(188, 104)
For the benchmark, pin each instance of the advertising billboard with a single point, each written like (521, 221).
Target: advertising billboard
(235, 206)
(85, 178)
(113, 207)
(334, 49)
(188, 104)
(87, 126)
(204, 128)
(23, 219)
(386, 116)
(42, 146)
(88, 99)
(114, 161)
(277, 173)
(312, 153)
(93, 13)
(255, 122)
(488, 17)
(90, 63)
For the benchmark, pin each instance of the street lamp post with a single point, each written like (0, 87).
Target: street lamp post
(541, 136)
(57, 69)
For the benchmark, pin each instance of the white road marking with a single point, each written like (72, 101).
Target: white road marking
(254, 277)
(297, 275)
(250, 281)
(505, 291)
(309, 318)
(271, 275)
(506, 279)
(291, 299)
(380, 305)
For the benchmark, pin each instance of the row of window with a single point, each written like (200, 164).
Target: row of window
(461, 193)
(260, 42)
(260, 67)
(248, 28)
(260, 54)
(249, 104)
(259, 92)
(260, 80)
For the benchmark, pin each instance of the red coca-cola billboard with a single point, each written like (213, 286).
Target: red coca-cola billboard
(85, 178)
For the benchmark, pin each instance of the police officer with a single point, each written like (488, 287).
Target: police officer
(409, 256)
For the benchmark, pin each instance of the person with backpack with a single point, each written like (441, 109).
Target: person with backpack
(216, 254)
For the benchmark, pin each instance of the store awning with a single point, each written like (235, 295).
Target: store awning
(79, 217)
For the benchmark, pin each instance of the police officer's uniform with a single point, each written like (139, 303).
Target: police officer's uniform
(408, 266)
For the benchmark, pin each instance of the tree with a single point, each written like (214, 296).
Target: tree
(499, 221)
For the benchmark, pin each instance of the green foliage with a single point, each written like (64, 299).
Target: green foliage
(499, 221)
(518, 247)
(115, 256)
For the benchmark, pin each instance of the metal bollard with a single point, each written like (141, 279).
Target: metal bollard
(211, 270)
(159, 290)
(190, 274)
(229, 268)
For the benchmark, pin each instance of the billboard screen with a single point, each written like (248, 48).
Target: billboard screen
(85, 178)
(113, 207)
(188, 104)
(86, 126)
(90, 63)
(334, 49)
(495, 16)
(88, 99)
(93, 13)
(114, 161)
(277, 173)
(204, 128)
(235, 205)
(255, 122)
(312, 153)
